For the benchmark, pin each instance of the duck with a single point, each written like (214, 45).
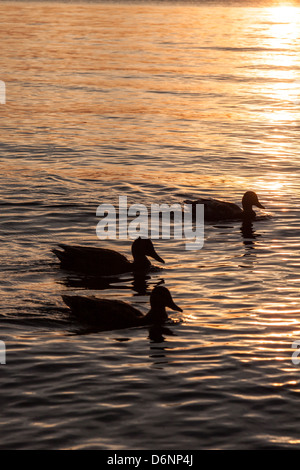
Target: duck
(108, 314)
(105, 262)
(215, 209)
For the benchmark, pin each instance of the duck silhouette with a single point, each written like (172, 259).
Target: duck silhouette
(109, 314)
(104, 262)
(215, 209)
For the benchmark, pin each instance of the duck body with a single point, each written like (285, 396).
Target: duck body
(104, 262)
(115, 314)
(215, 209)
(92, 260)
(109, 314)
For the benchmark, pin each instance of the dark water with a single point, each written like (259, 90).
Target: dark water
(159, 103)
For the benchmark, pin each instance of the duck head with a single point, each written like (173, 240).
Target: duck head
(142, 247)
(161, 297)
(250, 199)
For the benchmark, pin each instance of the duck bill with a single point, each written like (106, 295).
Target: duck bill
(173, 306)
(155, 256)
(258, 204)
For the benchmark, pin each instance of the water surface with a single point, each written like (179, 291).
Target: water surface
(159, 103)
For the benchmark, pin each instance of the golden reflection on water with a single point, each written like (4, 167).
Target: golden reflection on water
(285, 25)
(115, 89)
(282, 35)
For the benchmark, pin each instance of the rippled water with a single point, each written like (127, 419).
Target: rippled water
(159, 103)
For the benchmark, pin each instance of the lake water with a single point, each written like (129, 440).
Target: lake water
(158, 102)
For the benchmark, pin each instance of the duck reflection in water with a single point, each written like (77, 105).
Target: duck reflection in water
(157, 332)
(249, 235)
(138, 282)
(105, 314)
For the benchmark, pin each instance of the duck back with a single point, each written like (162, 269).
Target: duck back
(104, 313)
(215, 209)
(92, 260)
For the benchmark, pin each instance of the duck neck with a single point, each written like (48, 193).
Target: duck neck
(248, 212)
(157, 315)
(140, 261)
